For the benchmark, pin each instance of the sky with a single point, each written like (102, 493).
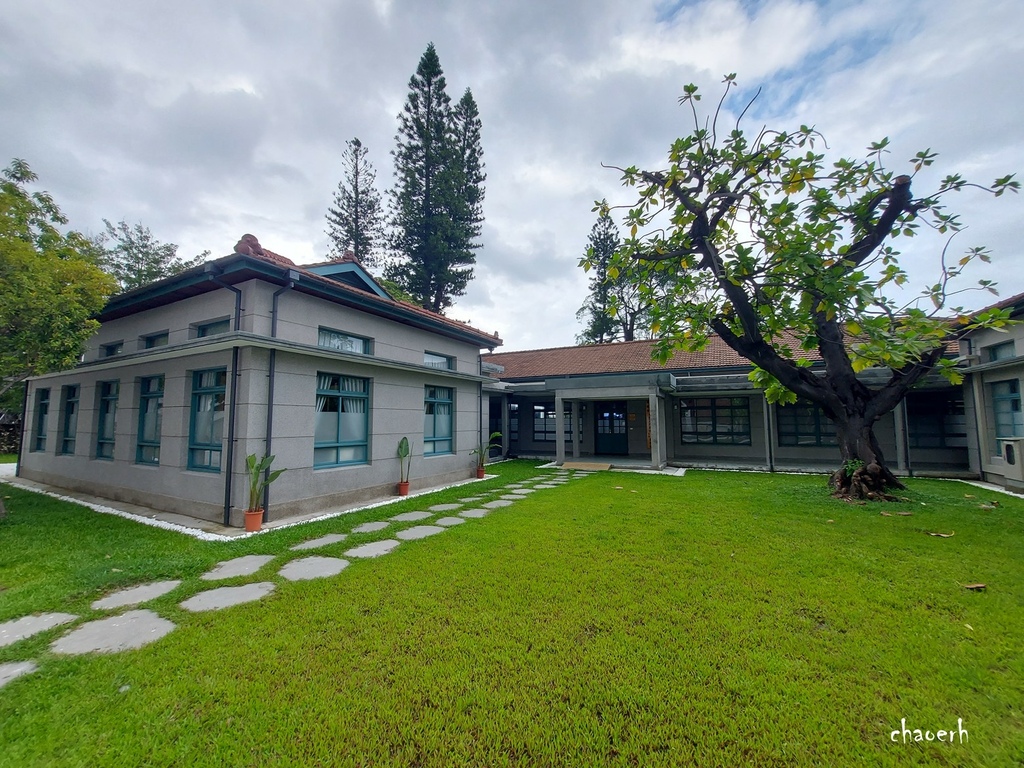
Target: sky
(206, 120)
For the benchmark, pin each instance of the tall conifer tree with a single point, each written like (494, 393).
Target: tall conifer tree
(355, 219)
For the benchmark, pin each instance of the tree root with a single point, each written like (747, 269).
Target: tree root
(870, 482)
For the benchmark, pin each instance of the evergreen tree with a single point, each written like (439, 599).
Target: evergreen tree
(135, 258)
(436, 201)
(355, 220)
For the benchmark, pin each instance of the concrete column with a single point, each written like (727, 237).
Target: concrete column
(769, 433)
(658, 447)
(504, 426)
(576, 429)
(899, 417)
(559, 431)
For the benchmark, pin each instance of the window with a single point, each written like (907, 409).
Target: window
(804, 423)
(443, 362)
(936, 420)
(114, 348)
(1006, 412)
(543, 423)
(1003, 351)
(437, 421)
(155, 340)
(717, 420)
(342, 429)
(69, 420)
(513, 422)
(344, 342)
(213, 328)
(151, 403)
(567, 420)
(206, 428)
(107, 415)
(42, 415)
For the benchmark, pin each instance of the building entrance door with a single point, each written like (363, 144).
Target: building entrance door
(610, 437)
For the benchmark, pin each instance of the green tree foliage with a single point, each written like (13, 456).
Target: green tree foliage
(50, 283)
(355, 219)
(135, 258)
(777, 250)
(436, 202)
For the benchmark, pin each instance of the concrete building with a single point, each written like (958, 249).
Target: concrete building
(317, 365)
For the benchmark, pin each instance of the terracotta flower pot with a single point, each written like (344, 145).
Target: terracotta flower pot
(403, 488)
(253, 519)
(480, 472)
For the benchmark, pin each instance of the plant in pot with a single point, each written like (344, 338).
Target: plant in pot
(494, 441)
(257, 472)
(404, 466)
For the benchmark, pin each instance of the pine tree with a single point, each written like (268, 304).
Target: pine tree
(355, 220)
(600, 326)
(436, 202)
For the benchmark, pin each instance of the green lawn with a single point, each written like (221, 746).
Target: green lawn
(717, 619)
(8, 458)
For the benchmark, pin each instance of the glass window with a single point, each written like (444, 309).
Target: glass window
(432, 360)
(107, 415)
(804, 423)
(437, 421)
(544, 422)
(936, 420)
(715, 420)
(42, 417)
(151, 403)
(206, 430)
(109, 350)
(344, 342)
(513, 422)
(567, 420)
(211, 329)
(69, 421)
(342, 428)
(1003, 351)
(1006, 411)
(155, 340)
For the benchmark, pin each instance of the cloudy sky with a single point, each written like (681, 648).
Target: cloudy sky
(205, 120)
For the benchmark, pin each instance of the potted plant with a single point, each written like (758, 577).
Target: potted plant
(257, 472)
(494, 441)
(404, 466)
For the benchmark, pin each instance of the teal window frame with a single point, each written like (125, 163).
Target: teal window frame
(936, 420)
(1007, 418)
(804, 424)
(714, 420)
(438, 420)
(112, 349)
(339, 341)
(341, 434)
(151, 403)
(206, 442)
(439, 361)
(213, 328)
(70, 397)
(106, 418)
(155, 340)
(42, 419)
(1004, 351)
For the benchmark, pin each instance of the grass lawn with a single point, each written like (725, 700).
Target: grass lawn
(8, 458)
(717, 619)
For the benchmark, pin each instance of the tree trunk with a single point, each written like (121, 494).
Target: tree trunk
(864, 474)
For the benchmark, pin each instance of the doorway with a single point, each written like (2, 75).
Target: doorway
(610, 436)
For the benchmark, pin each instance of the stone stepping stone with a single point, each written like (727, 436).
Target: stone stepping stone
(225, 597)
(509, 497)
(371, 527)
(13, 631)
(419, 532)
(444, 507)
(498, 503)
(546, 485)
(515, 485)
(470, 499)
(133, 629)
(15, 669)
(135, 595)
(411, 517)
(240, 566)
(524, 490)
(373, 549)
(323, 541)
(448, 522)
(306, 568)
(473, 513)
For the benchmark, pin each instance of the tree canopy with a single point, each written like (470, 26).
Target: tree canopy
(777, 250)
(135, 258)
(355, 220)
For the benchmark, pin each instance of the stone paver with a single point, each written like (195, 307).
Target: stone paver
(225, 597)
(306, 568)
(371, 527)
(497, 503)
(15, 669)
(13, 631)
(240, 566)
(511, 497)
(470, 499)
(546, 485)
(373, 549)
(411, 517)
(135, 595)
(419, 532)
(323, 541)
(524, 490)
(133, 629)
(515, 485)
(473, 513)
(444, 507)
(448, 522)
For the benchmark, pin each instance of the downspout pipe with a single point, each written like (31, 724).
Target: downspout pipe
(230, 459)
(24, 426)
(271, 370)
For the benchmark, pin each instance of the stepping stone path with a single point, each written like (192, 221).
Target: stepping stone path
(240, 566)
(410, 517)
(444, 507)
(419, 532)
(133, 629)
(448, 522)
(323, 541)
(524, 491)
(13, 631)
(373, 549)
(371, 527)
(471, 499)
(511, 497)
(225, 597)
(474, 513)
(15, 669)
(546, 485)
(306, 568)
(135, 595)
(497, 503)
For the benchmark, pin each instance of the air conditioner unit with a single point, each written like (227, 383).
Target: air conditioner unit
(1012, 451)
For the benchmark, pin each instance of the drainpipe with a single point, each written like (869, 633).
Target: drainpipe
(272, 368)
(24, 424)
(234, 397)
